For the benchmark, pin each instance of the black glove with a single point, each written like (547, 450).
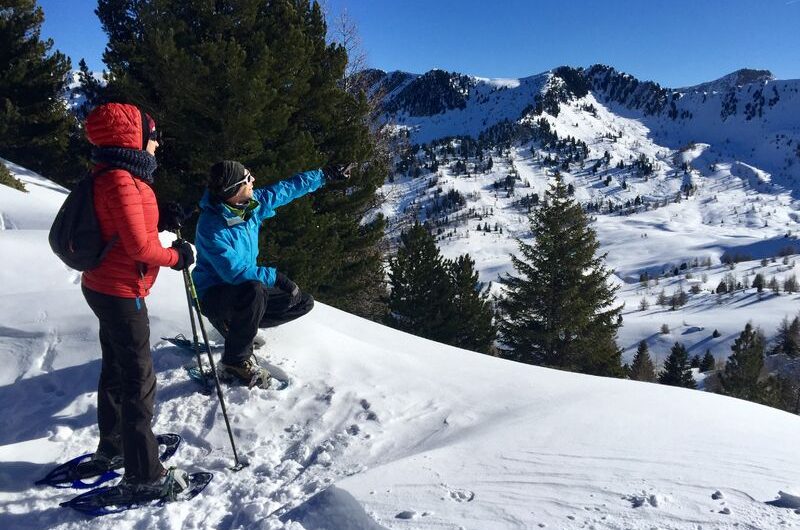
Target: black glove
(185, 254)
(286, 285)
(171, 215)
(337, 172)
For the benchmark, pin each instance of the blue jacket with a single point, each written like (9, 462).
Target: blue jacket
(227, 245)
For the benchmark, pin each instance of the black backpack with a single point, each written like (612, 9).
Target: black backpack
(75, 235)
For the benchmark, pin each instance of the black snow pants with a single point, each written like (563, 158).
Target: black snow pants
(238, 311)
(127, 389)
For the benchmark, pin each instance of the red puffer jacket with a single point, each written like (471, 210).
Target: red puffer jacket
(126, 207)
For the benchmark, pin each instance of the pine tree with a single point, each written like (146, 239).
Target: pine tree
(420, 288)
(257, 82)
(708, 363)
(642, 368)
(34, 120)
(560, 311)
(677, 371)
(787, 341)
(472, 312)
(743, 369)
(759, 283)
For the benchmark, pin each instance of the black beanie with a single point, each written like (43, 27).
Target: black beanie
(224, 175)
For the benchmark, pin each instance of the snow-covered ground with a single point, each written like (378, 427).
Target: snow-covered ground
(379, 429)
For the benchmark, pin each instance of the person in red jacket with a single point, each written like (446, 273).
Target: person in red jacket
(124, 143)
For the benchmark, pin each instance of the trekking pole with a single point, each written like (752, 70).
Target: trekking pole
(192, 293)
(196, 342)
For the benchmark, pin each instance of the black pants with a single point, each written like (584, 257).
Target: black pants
(127, 389)
(238, 311)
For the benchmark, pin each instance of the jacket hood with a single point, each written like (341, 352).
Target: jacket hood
(116, 125)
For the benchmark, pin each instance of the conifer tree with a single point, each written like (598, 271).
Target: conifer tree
(420, 288)
(787, 341)
(708, 363)
(34, 120)
(677, 371)
(642, 368)
(743, 369)
(759, 283)
(560, 310)
(472, 312)
(256, 81)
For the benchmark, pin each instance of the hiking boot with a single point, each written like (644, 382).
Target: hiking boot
(98, 464)
(171, 482)
(247, 372)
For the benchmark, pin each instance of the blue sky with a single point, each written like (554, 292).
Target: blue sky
(675, 43)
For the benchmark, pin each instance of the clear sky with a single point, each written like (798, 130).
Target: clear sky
(676, 42)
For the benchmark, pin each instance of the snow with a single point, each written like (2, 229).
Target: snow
(379, 429)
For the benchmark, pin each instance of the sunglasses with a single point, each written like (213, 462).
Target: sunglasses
(156, 136)
(248, 178)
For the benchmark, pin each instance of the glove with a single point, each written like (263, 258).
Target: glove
(337, 172)
(171, 216)
(286, 285)
(185, 254)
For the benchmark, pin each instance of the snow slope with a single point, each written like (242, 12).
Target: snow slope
(379, 429)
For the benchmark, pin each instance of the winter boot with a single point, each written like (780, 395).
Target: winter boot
(98, 464)
(171, 482)
(248, 373)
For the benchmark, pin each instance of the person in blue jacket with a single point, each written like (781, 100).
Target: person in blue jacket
(237, 295)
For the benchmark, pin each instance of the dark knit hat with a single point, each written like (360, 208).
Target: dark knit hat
(224, 175)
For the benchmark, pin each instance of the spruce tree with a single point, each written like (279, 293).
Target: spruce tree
(560, 310)
(708, 363)
(642, 368)
(34, 120)
(759, 283)
(472, 311)
(420, 287)
(256, 81)
(743, 368)
(677, 371)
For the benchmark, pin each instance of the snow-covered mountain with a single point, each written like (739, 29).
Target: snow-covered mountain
(679, 180)
(378, 430)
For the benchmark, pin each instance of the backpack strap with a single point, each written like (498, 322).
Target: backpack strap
(92, 175)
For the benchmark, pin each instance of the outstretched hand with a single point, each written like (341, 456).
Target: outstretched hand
(338, 172)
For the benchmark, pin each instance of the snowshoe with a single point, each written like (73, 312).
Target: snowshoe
(181, 341)
(72, 474)
(177, 486)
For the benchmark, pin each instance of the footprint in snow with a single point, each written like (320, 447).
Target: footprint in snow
(644, 499)
(367, 414)
(461, 495)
